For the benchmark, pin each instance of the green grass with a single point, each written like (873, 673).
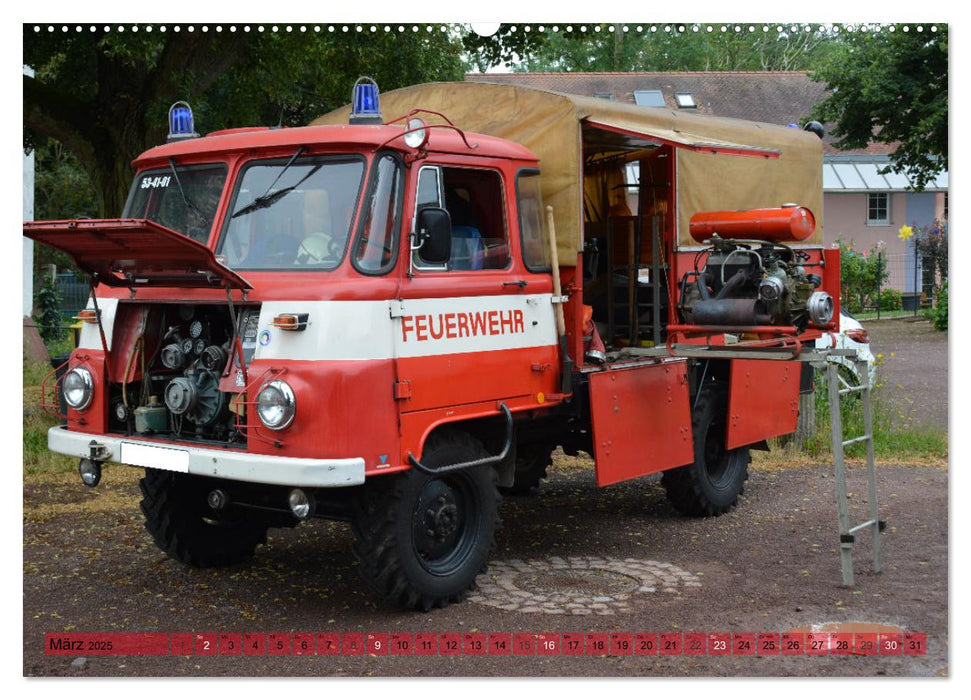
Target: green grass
(37, 458)
(894, 437)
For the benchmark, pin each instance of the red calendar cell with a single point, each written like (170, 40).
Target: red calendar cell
(278, 644)
(792, 643)
(646, 644)
(328, 643)
(500, 644)
(621, 644)
(230, 643)
(205, 644)
(768, 643)
(865, 643)
(106, 644)
(817, 643)
(598, 643)
(254, 643)
(475, 644)
(695, 644)
(743, 643)
(669, 643)
(180, 644)
(402, 644)
(303, 644)
(720, 644)
(524, 644)
(891, 643)
(915, 644)
(450, 643)
(841, 643)
(352, 644)
(548, 644)
(377, 644)
(571, 643)
(426, 643)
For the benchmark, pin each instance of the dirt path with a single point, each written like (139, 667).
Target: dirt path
(770, 566)
(914, 374)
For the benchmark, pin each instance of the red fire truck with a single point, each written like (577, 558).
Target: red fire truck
(387, 321)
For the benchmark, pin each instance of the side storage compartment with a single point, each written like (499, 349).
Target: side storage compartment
(763, 401)
(641, 420)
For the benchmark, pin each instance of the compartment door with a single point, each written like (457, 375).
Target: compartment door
(641, 420)
(763, 401)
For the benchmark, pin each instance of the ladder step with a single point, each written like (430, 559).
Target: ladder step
(862, 438)
(861, 526)
(852, 390)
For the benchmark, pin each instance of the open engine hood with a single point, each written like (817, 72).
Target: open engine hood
(135, 253)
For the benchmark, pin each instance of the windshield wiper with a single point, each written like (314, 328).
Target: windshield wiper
(188, 203)
(268, 198)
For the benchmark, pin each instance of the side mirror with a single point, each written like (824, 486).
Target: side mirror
(433, 232)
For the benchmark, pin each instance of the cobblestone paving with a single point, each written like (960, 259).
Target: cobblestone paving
(577, 585)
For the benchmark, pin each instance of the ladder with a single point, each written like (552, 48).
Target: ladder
(839, 387)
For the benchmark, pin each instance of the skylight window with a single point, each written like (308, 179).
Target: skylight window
(604, 95)
(649, 98)
(685, 100)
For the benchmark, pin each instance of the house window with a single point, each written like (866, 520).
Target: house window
(878, 209)
(685, 100)
(604, 95)
(649, 98)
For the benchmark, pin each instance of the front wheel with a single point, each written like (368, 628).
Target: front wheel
(184, 526)
(422, 539)
(712, 484)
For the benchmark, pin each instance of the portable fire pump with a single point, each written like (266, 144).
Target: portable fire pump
(388, 322)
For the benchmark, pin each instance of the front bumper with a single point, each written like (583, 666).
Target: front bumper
(222, 464)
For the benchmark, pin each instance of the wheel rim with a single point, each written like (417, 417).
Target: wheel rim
(444, 524)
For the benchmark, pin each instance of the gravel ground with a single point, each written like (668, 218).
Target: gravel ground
(769, 566)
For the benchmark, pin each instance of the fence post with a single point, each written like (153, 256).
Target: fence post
(879, 280)
(916, 276)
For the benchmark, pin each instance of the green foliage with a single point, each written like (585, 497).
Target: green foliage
(861, 275)
(673, 47)
(895, 436)
(49, 320)
(890, 300)
(931, 242)
(938, 315)
(105, 95)
(891, 87)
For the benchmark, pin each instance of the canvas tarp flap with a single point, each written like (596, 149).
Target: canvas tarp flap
(549, 124)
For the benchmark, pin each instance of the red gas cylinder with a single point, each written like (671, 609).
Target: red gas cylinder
(787, 223)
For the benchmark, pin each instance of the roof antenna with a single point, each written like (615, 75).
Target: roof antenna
(279, 124)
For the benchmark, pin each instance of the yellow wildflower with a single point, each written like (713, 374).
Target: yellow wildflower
(906, 232)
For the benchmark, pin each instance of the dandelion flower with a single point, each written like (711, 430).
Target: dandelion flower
(905, 232)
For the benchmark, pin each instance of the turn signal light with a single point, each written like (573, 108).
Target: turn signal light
(87, 315)
(291, 322)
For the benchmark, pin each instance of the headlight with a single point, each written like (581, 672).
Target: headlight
(78, 388)
(276, 405)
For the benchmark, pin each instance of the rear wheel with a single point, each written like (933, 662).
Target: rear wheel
(184, 526)
(422, 539)
(712, 483)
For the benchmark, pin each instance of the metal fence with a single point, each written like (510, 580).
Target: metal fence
(908, 282)
(74, 293)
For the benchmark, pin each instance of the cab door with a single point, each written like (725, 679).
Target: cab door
(478, 329)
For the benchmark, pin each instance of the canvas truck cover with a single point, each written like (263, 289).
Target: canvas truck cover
(722, 164)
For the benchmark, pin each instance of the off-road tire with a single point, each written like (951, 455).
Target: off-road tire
(532, 461)
(184, 527)
(421, 540)
(712, 484)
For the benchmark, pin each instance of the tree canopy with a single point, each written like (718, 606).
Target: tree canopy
(891, 87)
(669, 47)
(105, 94)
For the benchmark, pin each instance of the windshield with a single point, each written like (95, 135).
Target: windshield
(292, 214)
(156, 195)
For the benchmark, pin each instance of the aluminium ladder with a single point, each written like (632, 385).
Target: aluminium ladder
(839, 387)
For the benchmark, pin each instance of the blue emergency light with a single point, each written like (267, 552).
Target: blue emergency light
(365, 107)
(181, 122)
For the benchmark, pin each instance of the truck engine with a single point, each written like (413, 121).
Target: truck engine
(757, 280)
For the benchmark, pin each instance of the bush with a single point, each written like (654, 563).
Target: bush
(939, 312)
(49, 304)
(891, 300)
(861, 275)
